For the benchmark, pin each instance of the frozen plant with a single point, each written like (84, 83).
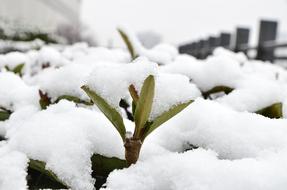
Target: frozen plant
(141, 110)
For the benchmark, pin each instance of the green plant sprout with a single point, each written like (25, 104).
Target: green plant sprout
(128, 43)
(17, 70)
(142, 106)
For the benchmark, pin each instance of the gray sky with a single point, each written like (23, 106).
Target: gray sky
(181, 20)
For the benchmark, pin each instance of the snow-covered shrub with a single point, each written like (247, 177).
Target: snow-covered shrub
(67, 142)
(155, 97)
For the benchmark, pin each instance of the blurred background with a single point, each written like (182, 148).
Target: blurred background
(182, 20)
(177, 22)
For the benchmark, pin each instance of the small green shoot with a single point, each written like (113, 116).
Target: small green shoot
(142, 106)
(128, 43)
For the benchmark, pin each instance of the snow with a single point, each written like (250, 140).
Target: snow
(245, 97)
(266, 70)
(202, 170)
(249, 79)
(82, 54)
(51, 56)
(65, 137)
(241, 151)
(171, 90)
(112, 82)
(100, 54)
(232, 134)
(215, 71)
(227, 54)
(66, 80)
(238, 149)
(20, 45)
(13, 166)
(15, 93)
(11, 60)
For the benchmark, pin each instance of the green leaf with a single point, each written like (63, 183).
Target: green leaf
(128, 44)
(45, 178)
(18, 69)
(4, 115)
(144, 104)
(102, 166)
(217, 89)
(110, 112)
(73, 99)
(133, 107)
(7, 68)
(165, 117)
(135, 97)
(273, 111)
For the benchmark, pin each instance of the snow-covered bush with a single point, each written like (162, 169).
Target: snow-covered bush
(150, 107)
(232, 135)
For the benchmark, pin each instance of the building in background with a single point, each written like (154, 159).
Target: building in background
(56, 17)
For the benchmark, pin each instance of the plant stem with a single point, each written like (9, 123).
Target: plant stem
(132, 150)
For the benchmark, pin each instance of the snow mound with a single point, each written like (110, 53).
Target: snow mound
(237, 149)
(215, 71)
(13, 166)
(11, 60)
(112, 82)
(51, 56)
(65, 137)
(82, 54)
(14, 93)
(202, 170)
(255, 93)
(171, 90)
(66, 80)
(232, 134)
(230, 55)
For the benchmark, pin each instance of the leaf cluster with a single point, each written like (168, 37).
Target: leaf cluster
(142, 106)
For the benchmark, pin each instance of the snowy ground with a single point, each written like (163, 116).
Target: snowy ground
(237, 148)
